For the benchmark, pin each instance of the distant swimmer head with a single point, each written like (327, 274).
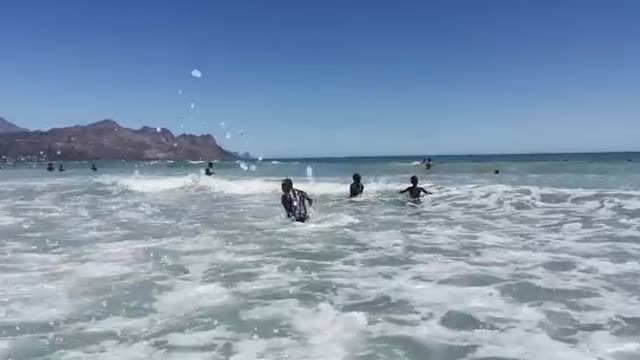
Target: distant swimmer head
(357, 178)
(287, 185)
(210, 164)
(428, 159)
(496, 172)
(414, 180)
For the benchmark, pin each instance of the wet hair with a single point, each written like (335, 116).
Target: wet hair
(287, 184)
(356, 177)
(210, 163)
(414, 179)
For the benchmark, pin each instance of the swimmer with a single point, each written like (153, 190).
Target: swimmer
(294, 202)
(356, 187)
(428, 164)
(50, 167)
(61, 168)
(209, 170)
(496, 172)
(94, 168)
(415, 191)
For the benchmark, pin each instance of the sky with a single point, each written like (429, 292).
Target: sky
(333, 78)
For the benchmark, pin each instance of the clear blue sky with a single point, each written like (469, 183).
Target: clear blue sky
(321, 78)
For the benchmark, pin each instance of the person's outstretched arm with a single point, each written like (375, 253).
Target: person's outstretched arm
(405, 190)
(425, 191)
(308, 198)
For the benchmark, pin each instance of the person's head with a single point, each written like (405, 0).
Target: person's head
(49, 164)
(356, 178)
(428, 159)
(287, 185)
(496, 172)
(414, 180)
(210, 164)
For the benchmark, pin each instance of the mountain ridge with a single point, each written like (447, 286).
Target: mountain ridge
(108, 140)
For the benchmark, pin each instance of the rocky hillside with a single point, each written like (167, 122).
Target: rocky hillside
(108, 140)
(7, 127)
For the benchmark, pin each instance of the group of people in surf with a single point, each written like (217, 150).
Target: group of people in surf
(294, 201)
(51, 168)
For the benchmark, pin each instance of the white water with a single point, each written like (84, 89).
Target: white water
(192, 267)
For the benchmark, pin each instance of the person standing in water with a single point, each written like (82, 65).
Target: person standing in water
(209, 170)
(415, 191)
(50, 167)
(94, 168)
(428, 164)
(61, 168)
(356, 188)
(294, 202)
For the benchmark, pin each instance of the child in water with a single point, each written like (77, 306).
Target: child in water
(415, 191)
(209, 170)
(356, 188)
(294, 202)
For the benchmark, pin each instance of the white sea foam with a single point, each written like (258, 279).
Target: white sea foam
(169, 266)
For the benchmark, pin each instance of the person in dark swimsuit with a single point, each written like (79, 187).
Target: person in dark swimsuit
(428, 164)
(356, 188)
(94, 168)
(415, 191)
(61, 168)
(50, 167)
(294, 202)
(209, 170)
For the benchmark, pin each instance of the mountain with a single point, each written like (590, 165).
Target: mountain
(7, 127)
(108, 140)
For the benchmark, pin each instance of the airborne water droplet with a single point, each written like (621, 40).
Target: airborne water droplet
(228, 136)
(309, 171)
(158, 130)
(193, 105)
(179, 91)
(222, 124)
(196, 73)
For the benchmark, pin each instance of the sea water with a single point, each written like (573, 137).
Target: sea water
(157, 261)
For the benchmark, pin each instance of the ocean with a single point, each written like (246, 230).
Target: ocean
(154, 260)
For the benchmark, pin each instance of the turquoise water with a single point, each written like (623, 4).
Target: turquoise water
(155, 260)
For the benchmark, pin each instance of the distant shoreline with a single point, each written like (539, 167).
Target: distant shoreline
(433, 156)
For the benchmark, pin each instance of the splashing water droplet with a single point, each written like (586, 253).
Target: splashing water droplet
(196, 73)
(222, 124)
(309, 171)
(158, 130)
(228, 135)
(193, 105)
(179, 91)
(252, 167)
(259, 158)
(58, 152)
(175, 144)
